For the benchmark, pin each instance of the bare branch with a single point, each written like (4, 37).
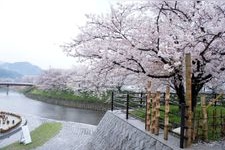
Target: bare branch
(207, 46)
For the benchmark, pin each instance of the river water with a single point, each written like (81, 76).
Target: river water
(18, 103)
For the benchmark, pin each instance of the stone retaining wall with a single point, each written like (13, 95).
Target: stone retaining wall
(75, 104)
(115, 133)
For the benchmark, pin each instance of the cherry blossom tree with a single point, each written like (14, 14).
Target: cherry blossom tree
(149, 40)
(216, 85)
(55, 79)
(29, 79)
(87, 78)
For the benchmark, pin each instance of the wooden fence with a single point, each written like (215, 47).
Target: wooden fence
(158, 115)
(209, 121)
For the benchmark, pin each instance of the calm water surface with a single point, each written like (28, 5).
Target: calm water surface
(18, 103)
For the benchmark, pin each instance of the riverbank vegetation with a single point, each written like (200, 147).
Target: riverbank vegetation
(61, 84)
(39, 136)
(84, 100)
(89, 97)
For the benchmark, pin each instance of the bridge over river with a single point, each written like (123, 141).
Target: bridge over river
(7, 84)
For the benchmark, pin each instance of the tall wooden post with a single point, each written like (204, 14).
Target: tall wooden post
(153, 114)
(157, 114)
(167, 110)
(188, 100)
(205, 118)
(148, 111)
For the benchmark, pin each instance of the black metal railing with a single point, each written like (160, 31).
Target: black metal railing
(128, 102)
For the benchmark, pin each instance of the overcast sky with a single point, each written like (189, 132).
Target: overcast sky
(32, 30)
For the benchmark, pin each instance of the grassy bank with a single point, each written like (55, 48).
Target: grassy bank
(39, 136)
(67, 95)
(82, 100)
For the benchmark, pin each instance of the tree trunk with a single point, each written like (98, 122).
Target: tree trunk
(196, 87)
(179, 88)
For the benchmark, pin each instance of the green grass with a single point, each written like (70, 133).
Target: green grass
(140, 113)
(39, 136)
(68, 95)
(214, 123)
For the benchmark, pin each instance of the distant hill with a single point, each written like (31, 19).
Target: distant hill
(9, 74)
(18, 69)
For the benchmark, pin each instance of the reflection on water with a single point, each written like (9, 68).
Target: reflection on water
(18, 103)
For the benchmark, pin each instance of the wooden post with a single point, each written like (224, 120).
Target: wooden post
(214, 124)
(167, 110)
(188, 100)
(153, 114)
(221, 123)
(205, 118)
(148, 111)
(157, 112)
(196, 125)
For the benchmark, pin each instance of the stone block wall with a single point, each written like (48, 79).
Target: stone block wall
(115, 133)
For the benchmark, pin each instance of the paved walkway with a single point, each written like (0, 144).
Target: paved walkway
(73, 136)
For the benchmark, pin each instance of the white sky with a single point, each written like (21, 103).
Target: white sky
(32, 30)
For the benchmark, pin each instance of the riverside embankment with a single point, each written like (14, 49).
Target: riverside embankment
(69, 100)
(69, 103)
